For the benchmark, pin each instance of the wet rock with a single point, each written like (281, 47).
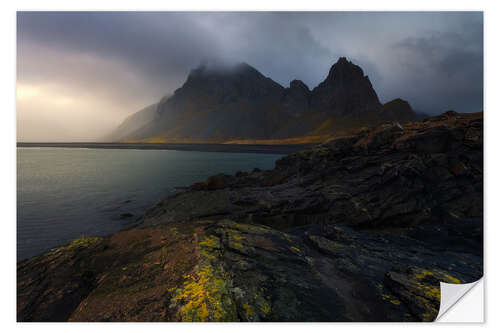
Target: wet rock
(361, 228)
(124, 216)
(241, 174)
(420, 289)
(217, 182)
(50, 286)
(265, 275)
(383, 176)
(229, 271)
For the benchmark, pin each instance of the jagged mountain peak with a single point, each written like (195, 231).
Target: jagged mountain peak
(232, 100)
(298, 84)
(346, 91)
(296, 98)
(344, 69)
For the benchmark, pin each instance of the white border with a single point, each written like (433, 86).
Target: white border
(464, 304)
(7, 132)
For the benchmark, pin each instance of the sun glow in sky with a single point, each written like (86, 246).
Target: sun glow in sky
(25, 92)
(80, 74)
(72, 96)
(60, 114)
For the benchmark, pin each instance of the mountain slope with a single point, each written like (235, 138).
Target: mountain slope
(219, 103)
(346, 91)
(133, 123)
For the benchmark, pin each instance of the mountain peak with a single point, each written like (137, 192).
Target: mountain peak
(344, 69)
(296, 98)
(232, 100)
(216, 67)
(343, 60)
(345, 91)
(298, 84)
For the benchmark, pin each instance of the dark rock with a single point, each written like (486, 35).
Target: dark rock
(52, 285)
(217, 182)
(385, 176)
(419, 288)
(361, 228)
(345, 91)
(398, 110)
(220, 102)
(241, 174)
(229, 271)
(296, 98)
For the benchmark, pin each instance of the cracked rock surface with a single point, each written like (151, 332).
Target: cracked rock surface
(361, 228)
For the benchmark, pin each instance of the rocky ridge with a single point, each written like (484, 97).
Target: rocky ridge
(220, 102)
(361, 228)
(345, 91)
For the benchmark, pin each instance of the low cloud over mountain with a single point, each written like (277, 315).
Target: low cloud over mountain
(80, 74)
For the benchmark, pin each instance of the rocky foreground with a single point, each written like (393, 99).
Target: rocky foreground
(362, 228)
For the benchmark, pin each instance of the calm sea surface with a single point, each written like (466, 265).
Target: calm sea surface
(63, 194)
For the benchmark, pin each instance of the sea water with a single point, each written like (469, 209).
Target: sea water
(63, 194)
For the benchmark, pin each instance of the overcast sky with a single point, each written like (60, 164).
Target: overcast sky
(80, 74)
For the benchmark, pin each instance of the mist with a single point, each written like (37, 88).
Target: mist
(79, 74)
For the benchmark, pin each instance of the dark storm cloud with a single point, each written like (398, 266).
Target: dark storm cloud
(165, 46)
(449, 64)
(155, 45)
(278, 44)
(114, 63)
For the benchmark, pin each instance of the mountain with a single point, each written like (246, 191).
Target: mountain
(297, 98)
(133, 123)
(398, 110)
(220, 102)
(346, 91)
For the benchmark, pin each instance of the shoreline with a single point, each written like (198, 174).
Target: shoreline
(124, 223)
(209, 147)
(244, 247)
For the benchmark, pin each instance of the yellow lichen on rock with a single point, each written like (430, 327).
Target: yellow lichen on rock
(234, 234)
(252, 228)
(206, 297)
(211, 242)
(234, 244)
(81, 243)
(209, 246)
(452, 279)
(287, 237)
(429, 290)
(390, 298)
(419, 288)
(249, 313)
